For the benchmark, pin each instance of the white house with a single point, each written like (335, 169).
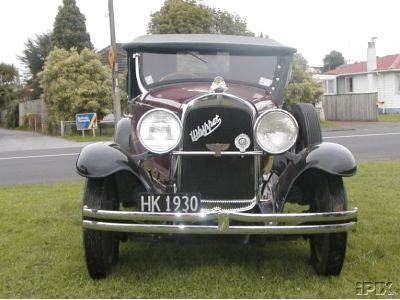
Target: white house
(377, 74)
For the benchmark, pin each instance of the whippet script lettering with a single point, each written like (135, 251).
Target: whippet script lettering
(205, 129)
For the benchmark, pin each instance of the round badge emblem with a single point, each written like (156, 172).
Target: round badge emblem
(242, 142)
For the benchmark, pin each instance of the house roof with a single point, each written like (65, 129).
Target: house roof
(385, 63)
(173, 42)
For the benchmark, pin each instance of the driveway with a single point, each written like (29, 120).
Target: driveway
(16, 140)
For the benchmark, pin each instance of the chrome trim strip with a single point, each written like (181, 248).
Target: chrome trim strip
(215, 215)
(142, 89)
(204, 153)
(297, 217)
(222, 228)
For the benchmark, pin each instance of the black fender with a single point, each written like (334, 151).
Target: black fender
(331, 158)
(123, 134)
(103, 159)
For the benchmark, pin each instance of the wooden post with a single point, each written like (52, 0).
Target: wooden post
(62, 127)
(94, 132)
(83, 133)
(114, 65)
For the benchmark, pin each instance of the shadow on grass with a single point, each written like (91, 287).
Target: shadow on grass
(147, 258)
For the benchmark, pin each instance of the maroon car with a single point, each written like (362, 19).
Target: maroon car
(210, 148)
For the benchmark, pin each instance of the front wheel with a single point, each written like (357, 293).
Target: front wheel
(328, 250)
(101, 248)
(309, 127)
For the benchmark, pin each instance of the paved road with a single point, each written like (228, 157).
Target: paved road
(368, 141)
(26, 157)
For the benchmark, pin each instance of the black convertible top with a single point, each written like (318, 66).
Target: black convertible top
(173, 42)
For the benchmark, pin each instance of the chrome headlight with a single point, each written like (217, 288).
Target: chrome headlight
(276, 131)
(159, 130)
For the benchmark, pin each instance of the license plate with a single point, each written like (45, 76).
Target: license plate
(177, 202)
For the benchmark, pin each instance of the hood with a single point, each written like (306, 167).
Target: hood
(173, 96)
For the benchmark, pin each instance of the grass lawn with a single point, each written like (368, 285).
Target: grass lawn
(42, 256)
(389, 118)
(329, 124)
(89, 137)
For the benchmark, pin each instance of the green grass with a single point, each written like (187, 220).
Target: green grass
(329, 124)
(389, 118)
(89, 137)
(42, 256)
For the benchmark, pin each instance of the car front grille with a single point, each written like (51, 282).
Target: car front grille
(218, 179)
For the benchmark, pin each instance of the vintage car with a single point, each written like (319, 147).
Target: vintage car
(210, 148)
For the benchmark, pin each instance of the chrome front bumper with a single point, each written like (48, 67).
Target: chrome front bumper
(193, 223)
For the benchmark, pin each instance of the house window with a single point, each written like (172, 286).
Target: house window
(349, 85)
(398, 84)
(330, 86)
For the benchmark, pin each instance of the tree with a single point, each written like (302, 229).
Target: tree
(333, 60)
(74, 83)
(69, 29)
(302, 87)
(227, 23)
(33, 57)
(300, 65)
(35, 53)
(8, 78)
(189, 16)
(8, 74)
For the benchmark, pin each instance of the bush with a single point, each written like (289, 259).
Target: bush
(302, 87)
(12, 115)
(75, 83)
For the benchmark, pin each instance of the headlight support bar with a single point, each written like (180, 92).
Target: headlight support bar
(222, 153)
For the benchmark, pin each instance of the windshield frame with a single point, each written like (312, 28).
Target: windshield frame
(186, 80)
(277, 93)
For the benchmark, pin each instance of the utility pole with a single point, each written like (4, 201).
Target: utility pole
(112, 59)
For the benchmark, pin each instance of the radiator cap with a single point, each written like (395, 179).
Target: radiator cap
(218, 85)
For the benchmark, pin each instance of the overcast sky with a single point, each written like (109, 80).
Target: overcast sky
(314, 27)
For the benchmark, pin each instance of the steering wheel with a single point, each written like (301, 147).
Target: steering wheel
(178, 75)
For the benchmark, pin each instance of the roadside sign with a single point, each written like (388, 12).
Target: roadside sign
(86, 121)
(111, 58)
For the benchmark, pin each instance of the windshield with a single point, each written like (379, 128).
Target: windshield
(163, 68)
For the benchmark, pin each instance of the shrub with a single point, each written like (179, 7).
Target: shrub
(75, 83)
(12, 115)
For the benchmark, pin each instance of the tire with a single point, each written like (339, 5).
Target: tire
(328, 250)
(101, 248)
(309, 127)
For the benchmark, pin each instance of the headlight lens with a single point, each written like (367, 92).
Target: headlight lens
(159, 130)
(276, 131)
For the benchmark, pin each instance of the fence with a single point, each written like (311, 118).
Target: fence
(32, 114)
(351, 107)
(103, 128)
(3, 114)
